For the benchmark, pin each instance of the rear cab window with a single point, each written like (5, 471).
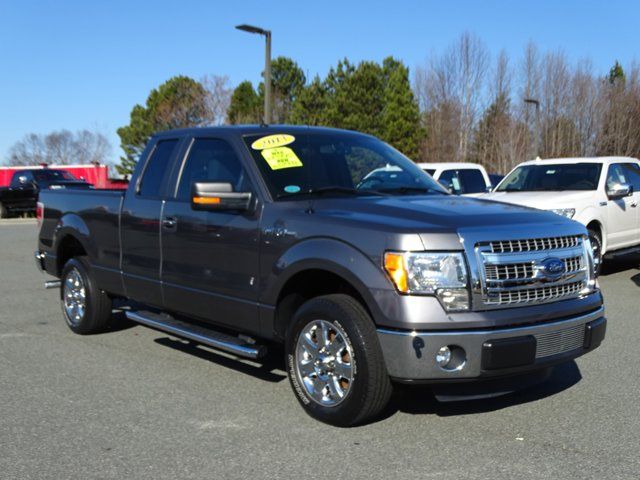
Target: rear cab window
(157, 169)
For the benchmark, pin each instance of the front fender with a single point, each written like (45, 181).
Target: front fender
(330, 255)
(592, 214)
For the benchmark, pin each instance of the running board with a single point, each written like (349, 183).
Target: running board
(620, 253)
(205, 336)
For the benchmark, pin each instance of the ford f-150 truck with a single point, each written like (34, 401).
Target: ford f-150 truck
(239, 237)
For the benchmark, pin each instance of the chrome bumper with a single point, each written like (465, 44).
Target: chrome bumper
(410, 355)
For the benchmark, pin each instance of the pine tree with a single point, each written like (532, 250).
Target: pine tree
(400, 114)
(310, 105)
(178, 103)
(245, 105)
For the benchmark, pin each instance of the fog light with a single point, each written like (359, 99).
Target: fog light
(443, 357)
(451, 358)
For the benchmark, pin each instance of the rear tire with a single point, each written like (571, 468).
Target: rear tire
(85, 307)
(596, 245)
(335, 363)
(3, 211)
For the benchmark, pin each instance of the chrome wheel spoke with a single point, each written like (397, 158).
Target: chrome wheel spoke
(343, 370)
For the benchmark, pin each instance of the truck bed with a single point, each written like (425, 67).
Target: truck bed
(94, 213)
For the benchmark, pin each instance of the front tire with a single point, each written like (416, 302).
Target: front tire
(596, 245)
(335, 363)
(3, 211)
(85, 307)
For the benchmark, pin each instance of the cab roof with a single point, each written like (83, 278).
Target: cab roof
(254, 129)
(573, 160)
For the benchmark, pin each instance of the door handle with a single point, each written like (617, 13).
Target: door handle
(169, 223)
(634, 204)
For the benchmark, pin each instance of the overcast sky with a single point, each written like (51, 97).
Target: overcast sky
(75, 65)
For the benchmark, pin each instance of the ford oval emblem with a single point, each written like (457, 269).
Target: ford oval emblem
(551, 268)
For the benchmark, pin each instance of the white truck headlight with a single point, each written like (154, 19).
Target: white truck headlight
(443, 274)
(564, 212)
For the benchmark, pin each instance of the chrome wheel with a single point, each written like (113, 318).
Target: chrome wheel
(324, 362)
(74, 296)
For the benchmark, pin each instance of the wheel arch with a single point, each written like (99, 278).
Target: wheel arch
(320, 267)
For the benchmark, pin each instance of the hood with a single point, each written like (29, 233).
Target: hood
(437, 214)
(541, 200)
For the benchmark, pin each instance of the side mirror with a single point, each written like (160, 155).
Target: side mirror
(619, 190)
(218, 196)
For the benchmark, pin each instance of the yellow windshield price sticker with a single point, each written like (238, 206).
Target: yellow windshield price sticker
(281, 157)
(272, 141)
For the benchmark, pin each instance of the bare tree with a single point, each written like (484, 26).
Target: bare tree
(218, 97)
(61, 148)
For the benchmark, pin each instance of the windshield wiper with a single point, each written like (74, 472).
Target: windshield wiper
(407, 190)
(332, 189)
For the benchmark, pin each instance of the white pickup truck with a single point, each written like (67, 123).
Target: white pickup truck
(602, 193)
(461, 178)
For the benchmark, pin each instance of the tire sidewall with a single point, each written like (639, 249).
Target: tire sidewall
(593, 235)
(350, 406)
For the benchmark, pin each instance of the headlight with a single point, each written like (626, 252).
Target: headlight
(431, 273)
(564, 212)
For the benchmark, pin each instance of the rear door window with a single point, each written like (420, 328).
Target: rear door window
(157, 169)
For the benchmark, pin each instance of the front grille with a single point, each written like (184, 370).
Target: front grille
(519, 271)
(559, 341)
(534, 244)
(514, 272)
(537, 295)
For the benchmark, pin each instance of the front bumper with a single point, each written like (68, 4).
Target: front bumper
(410, 355)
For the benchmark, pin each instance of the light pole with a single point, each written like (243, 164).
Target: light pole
(535, 102)
(267, 67)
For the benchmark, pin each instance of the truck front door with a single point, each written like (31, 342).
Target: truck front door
(622, 213)
(210, 259)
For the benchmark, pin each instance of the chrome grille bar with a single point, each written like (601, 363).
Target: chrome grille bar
(559, 341)
(513, 272)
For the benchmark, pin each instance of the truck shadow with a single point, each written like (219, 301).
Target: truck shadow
(270, 368)
(420, 400)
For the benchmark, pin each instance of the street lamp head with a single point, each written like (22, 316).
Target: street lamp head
(252, 29)
(533, 101)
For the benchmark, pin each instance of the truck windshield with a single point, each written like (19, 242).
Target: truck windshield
(47, 175)
(552, 177)
(336, 163)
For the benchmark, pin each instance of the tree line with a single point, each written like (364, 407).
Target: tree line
(461, 104)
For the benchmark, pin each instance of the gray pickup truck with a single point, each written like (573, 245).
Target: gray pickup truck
(242, 237)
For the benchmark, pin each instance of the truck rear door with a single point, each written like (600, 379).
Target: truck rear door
(140, 224)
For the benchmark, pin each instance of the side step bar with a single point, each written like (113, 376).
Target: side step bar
(52, 284)
(195, 333)
(620, 253)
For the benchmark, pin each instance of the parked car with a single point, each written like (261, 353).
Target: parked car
(22, 193)
(602, 193)
(460, 178)
(237, 237)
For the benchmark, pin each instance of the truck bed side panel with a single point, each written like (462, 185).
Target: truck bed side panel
(92, 217)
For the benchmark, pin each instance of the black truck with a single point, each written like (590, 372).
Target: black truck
(242, 237)
(21, 196)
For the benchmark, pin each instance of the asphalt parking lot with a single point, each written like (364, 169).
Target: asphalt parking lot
(136, 403)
